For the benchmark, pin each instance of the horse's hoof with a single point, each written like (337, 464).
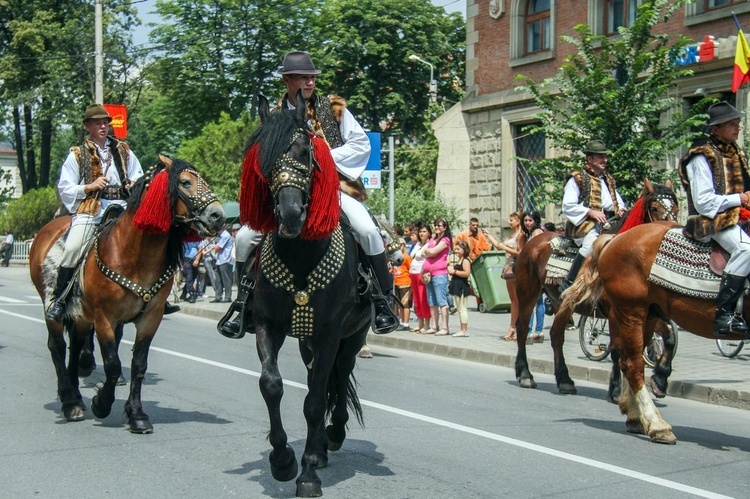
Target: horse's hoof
(365, 353)
(334, 446)
(309, 489)
(654, 387)
(663, 437)
(527, 383)
(85, 372)
(635, 426)
(99, 412)
(567, 388)
(141, 426)
(121, 381)
(75, 413)
(335, 438)
(285, 471)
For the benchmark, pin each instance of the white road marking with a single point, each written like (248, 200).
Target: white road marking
(10, 300)
(454, 426)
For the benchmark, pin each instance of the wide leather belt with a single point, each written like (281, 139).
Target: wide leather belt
(112, 192)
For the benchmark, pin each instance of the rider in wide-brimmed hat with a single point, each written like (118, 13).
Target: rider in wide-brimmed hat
(717, 182)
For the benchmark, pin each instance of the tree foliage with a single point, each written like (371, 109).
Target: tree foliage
(29, 213)
(616, 90)
(411, 205)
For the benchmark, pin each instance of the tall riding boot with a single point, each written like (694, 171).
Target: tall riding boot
(56, 310)
(726, 321)
(575, 267)
(385, 320)
(243, 306)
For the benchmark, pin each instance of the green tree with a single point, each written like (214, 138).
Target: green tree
(218, 153)
(616, 90)
(410, 205)
(29, 213)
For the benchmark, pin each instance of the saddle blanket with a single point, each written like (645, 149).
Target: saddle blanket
(682, 265)
(563, 252)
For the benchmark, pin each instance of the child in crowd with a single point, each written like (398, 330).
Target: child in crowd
(402, 289)
(459, 286)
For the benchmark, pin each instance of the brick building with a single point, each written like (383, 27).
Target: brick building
(480, 136)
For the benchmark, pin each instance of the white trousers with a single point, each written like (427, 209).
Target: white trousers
(586, 242)
(737, 243)
(245, 242)
(82, 230)
(366, 233)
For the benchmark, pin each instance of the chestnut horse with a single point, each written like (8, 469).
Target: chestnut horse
(659, 203)
(126, 276)
(621, 278)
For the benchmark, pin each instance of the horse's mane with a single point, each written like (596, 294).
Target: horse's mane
(274, 137)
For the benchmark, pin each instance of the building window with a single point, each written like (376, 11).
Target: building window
(705, 11)
(713, 4)
(537, 26)
(530, 147)
(619, 13)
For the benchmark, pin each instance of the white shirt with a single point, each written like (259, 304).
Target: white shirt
(577, 212)
(71, 184)
(351, 158)
(705, 200)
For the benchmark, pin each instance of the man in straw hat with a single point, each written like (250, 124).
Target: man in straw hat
(589, 200)
(94, 175)
(717, 181)
(350, 149)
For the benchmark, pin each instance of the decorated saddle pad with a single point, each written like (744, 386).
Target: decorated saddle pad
(563, 252)
(682, 265)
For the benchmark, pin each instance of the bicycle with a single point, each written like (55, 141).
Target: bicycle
(593, 335)
(730, 348)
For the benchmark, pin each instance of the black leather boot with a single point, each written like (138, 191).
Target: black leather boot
(575, 267)
(243, 306)
(385, 320)
(170, 309)
(725, 320)
(56, 311)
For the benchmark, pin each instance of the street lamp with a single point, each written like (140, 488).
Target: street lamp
(433, 82)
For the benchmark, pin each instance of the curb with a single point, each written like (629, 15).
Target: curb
(737, 399)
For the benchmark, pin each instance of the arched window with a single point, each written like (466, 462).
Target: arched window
(619, 13)
(538, 26)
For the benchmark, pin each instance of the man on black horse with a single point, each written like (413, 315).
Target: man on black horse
(590, 199)
(717, 181)
(350, 149)
(94, 175)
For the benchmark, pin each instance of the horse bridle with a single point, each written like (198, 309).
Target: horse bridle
(666, 201)
(290, 172)
(195, 203)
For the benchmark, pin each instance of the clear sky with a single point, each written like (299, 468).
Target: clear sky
(146, 14)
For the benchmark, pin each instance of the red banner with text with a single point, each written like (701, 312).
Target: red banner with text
(119, 113)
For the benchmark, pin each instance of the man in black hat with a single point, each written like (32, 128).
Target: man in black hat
(717, 181)
(94, 175)
(350, 149)
(590, 199)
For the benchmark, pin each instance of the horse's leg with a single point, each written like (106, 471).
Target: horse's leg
(314, 456)
(615, 377)
(659, 383)
(72, 407)
(527, 297)
(78, 339)
(345, 361)
(557, 336)
(282, 459)
(86, 360)
(641, 410)
(101, 405)
(137, 419)
(121, 381)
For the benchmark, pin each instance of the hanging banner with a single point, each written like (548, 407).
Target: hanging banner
(371, 175)
(119, 113)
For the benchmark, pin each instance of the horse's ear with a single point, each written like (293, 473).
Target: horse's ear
(648, 187)
(263, 108)
(165, 160)
(300, 105)
(668, 184)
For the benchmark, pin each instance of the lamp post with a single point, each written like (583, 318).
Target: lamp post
(433, 82)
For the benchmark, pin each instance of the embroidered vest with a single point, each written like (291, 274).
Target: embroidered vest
(90, 168)
(590, 196)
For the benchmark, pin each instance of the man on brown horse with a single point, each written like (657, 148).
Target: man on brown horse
(590, 199)
(94, 175)
(350, 148)
(716, 179)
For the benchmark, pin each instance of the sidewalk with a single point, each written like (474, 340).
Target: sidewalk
(700, 372)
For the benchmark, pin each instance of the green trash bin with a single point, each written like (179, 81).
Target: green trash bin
(486, 273)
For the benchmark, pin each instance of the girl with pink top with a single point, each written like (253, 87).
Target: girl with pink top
(436, 264)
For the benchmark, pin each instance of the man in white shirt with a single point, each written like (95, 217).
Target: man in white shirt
(98, 173)
(590, 199)
(7, 249)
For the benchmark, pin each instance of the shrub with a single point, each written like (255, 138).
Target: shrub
(29, 213)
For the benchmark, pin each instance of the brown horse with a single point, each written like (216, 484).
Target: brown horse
(126, 276)
(659, 203)
(621, 278)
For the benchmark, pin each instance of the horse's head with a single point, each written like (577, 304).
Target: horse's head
(660, 202)
(172, 193)
(391, 240)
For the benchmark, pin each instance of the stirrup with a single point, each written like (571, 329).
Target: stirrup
(225, 326)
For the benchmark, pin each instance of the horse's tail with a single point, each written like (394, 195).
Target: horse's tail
(587, 289)
(352, 399)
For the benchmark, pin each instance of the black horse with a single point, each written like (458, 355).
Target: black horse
(306, 286)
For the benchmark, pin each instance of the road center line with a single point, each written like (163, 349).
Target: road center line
(454, 426)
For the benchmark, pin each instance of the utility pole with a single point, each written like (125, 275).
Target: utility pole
(98, 53)
(391, 181)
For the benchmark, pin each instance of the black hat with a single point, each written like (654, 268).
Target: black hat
(595, 147)
(721, 112)
(96, 111)
(298, 63)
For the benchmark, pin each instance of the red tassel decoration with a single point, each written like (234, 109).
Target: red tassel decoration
(154, 215)
(256, 202)
(324, 206)
(636, 217)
